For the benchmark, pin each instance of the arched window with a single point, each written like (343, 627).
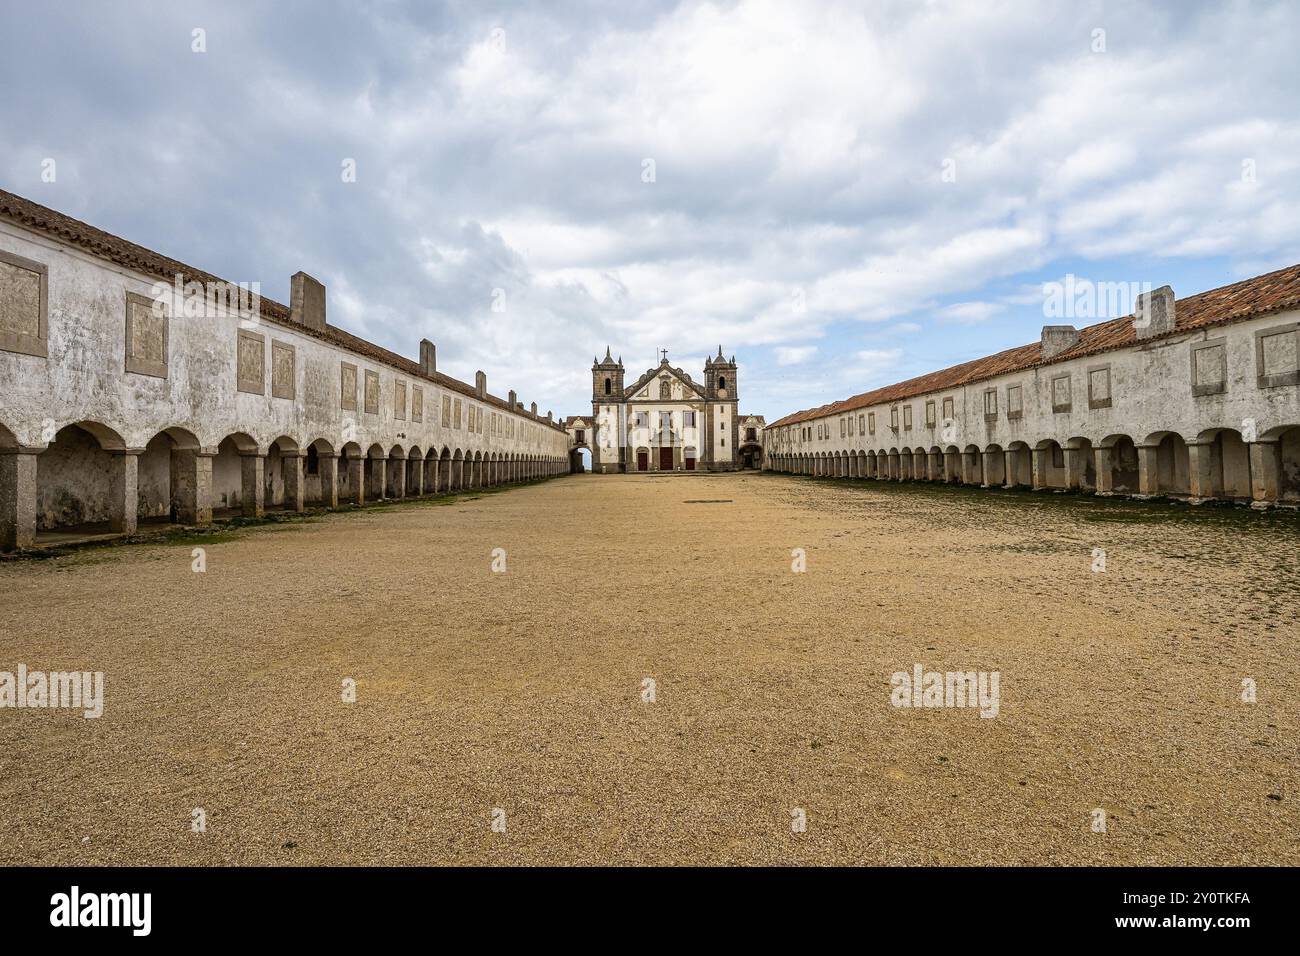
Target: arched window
(606, 385)
(722, 381)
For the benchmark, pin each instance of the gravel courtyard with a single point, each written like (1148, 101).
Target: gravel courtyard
(1120, 689)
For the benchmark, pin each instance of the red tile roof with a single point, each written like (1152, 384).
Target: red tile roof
(42, 219)
(1273, 292)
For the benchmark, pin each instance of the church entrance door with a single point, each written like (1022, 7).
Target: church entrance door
(643, 461)
(666, 459)
(690, 463)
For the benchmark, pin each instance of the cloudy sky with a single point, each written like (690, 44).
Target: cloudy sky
(840, 194)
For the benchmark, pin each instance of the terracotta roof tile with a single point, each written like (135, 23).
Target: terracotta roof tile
(1273, 292)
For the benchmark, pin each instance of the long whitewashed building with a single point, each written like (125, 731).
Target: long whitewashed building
(136, 388)
(1195, 398)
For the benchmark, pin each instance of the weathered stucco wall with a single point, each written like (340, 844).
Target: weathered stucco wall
(85, 379)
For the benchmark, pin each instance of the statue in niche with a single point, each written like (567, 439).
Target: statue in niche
(665, 388)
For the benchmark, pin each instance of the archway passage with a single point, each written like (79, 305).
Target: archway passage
(86, 483)
(580, 460)
(751, 455)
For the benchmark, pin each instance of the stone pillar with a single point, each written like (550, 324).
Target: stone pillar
(357, 478)
(951, 474)
(123, 490)
(1265, 472)
(253, 489)
(378, 479)
(934, 465)
(395, 469)
(1148, 470)
(1104, 461)
(291, 464)
(191, 473)
(415, 482)
(1039, 460)
(1009, 477)
(328, 466)
(989, 471)
(17, 498)
(972, 468)
(1200, 472)
(1074, 468)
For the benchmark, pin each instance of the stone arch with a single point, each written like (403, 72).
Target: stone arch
(1219, 465)
(972, 465)
(1288, 461)
(172, 480)
(995, 467)
(1019, 466)
(282, 475)
(320, 474)
(1117, 465)
(457, 470)
(952, 465)
(1169, 464)
(85, 481)
(1080, 464)
(395, 473)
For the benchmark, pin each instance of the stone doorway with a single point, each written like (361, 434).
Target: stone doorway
(666, 459)
(643, 461)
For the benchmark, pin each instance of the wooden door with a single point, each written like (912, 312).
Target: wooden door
(666, 459)
(643, 461)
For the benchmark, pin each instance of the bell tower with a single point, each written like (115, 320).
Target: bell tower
(607, 414)
(720, 378)
(607, 379)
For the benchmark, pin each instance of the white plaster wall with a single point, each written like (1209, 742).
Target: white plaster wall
(1151, 389)
(83, 379)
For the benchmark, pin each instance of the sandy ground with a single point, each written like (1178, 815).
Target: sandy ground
(523, 690)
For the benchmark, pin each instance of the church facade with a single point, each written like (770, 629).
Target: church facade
(665, 421)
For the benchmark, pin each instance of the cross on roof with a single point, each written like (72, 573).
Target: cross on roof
(664, 354)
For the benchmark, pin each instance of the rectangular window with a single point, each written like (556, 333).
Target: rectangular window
(948, 409)
(417, 403)
(581, 436)
(861, 423)
(1277, 356)
(843, 428)
(907, 418)
(1099, 386)
(446, 411)
(399, 401)
(688, 419)
(1061, 400)
(990, 404)
(929, 414)
(457, 415)
(372, 392)
(1015, 402)
(283, 370)
(24, 305)
(893, 418)
(871, 422)
(347, 386)
(146, 335)
(250, 363)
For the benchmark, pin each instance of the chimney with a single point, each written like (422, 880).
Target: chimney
(548, 414)
(307, 301)
(480, 384)
(1058, 338)
(512, 399)
(1154, 313)
(428, 357)
(534, 409)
